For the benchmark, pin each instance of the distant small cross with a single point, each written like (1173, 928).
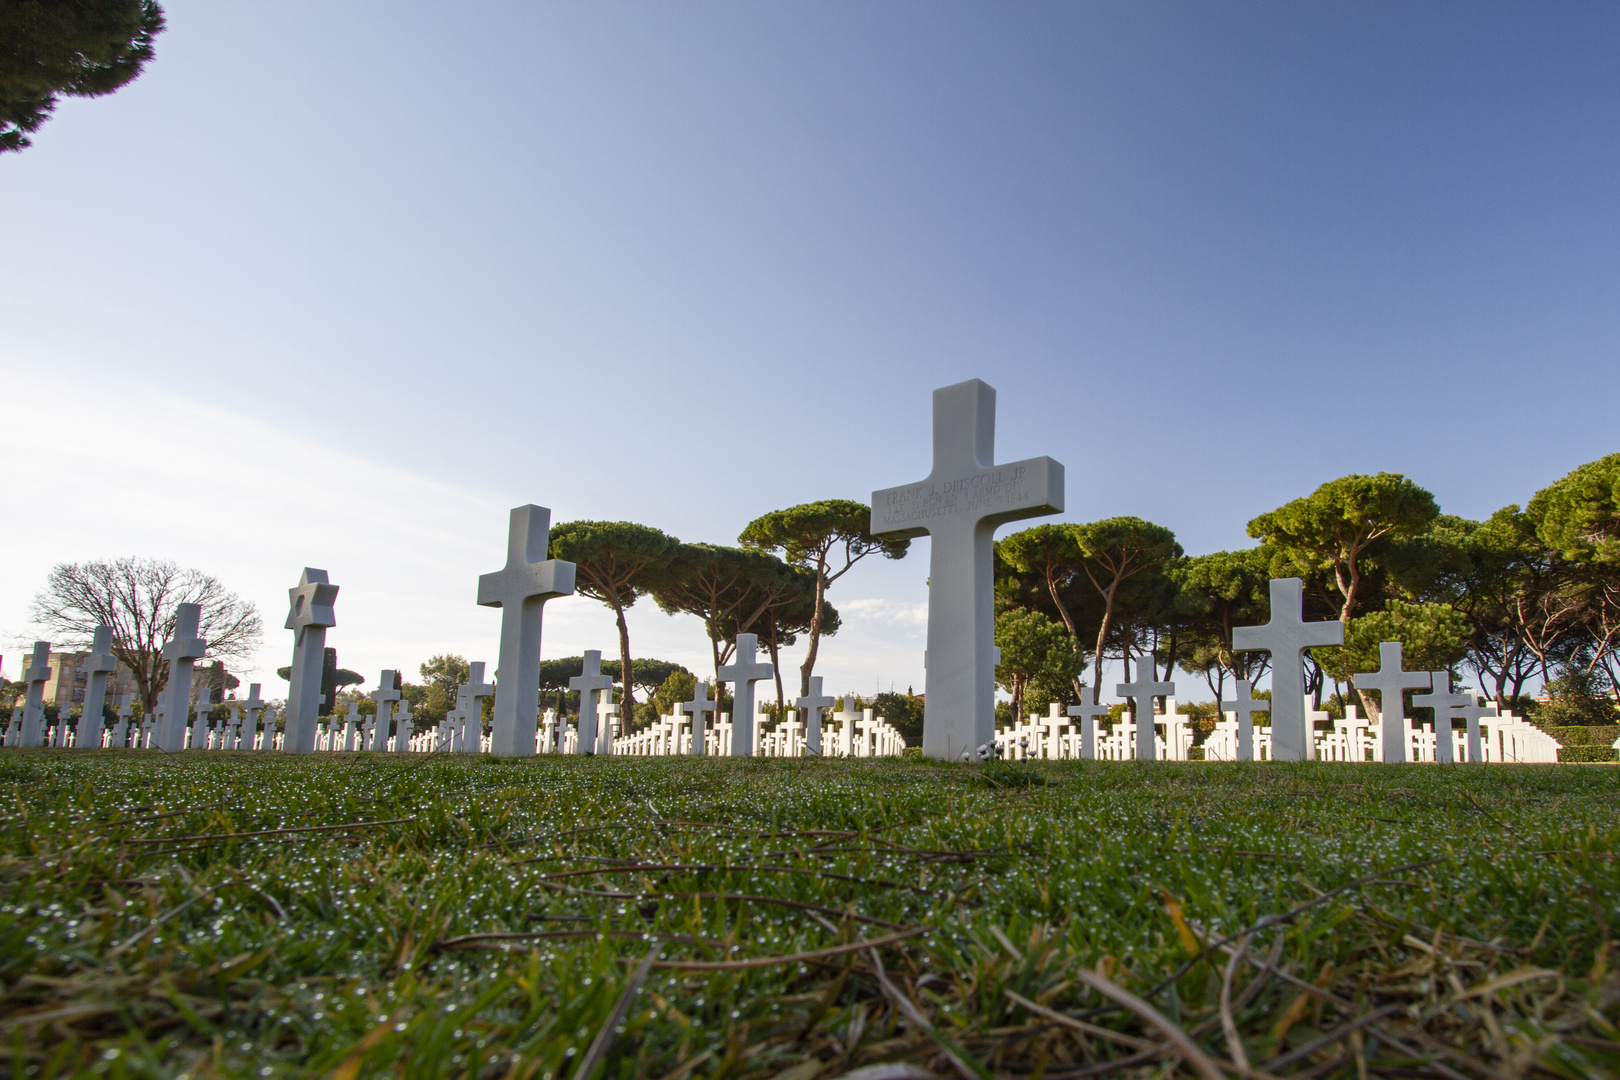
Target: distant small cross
(743, 673)
(1473, 713)
(385, 695)
(1390, 682)
(1442, 701)
(520, 589)
(588, 682)
(1142, 692)
(695, 708)
(1286, 637)
(813, 704)
(469, 699)
(1245, 705)
(1087, 712)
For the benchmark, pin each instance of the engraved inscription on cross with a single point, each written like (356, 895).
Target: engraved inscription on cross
(958, 505)
(520, 589)
(1286, 637)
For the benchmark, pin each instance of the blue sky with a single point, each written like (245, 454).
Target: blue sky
(336, 284)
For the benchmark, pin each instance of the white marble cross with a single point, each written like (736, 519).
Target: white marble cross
(97, 666)
(469, 700)
(1286, 637)
(1245, 705)
(812, 705)
(695, 708)
(1142, 692)
(36, 675)
(847, 714)
(182, 652)
(385, 695)
(606, 712)
(958, 505)
(1088, 714)
(1473, 713)
(310, 613)
(743, 672)
(1390, 681)
(120, 735)
(252, 707)
(402, 729)
(1442, 701)
(199, 727)
(351, 727)
(520, 589)
(589, 680)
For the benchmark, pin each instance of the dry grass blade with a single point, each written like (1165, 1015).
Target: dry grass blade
(1344, 1032)
(969, 1071)
(1084, 1027)
(159, 921)
(792, 958)
(1234, 1041)
(1189, 1050)
(604, 1035)
(893, 1071)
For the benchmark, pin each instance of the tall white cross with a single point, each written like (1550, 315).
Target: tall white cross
(1245, 705)
(1088, 713)
(695, 708)
(310, 613)
(846, 716)
(588, 682)
(606, 713)
(1142, 692)
(958, 505)
(520, 589)
(1286, 637)
(385, 695)
(743, 673)
(97, 666)
(470, 701)
(1442, 701)
(182, 652)
(812, 705)
(1390, 682)
(36, 675)
(1473, 713)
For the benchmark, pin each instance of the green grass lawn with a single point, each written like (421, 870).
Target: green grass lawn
(236, 914)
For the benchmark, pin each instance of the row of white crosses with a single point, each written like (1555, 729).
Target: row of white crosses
(1292, 736)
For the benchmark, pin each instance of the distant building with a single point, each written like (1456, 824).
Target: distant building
(68, 680)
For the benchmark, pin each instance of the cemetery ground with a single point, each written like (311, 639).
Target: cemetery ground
(235, 914)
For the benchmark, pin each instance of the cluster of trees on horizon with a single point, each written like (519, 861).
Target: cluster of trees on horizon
(1528, 596)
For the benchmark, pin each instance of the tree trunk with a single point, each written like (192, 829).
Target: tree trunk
(809, 665)
(776, 666)
(1102, 636)
(627, 704)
